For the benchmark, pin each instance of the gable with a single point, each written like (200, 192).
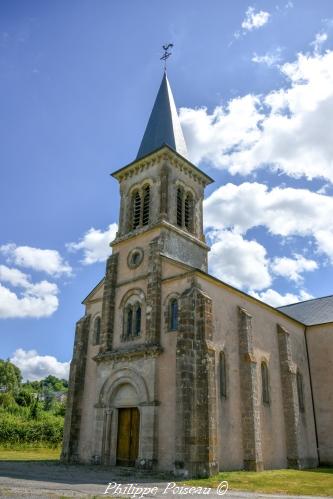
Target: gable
(96, 293)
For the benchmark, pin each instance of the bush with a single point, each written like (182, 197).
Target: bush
(15, 429)
(24, 398)
(59, 409)
(7, 400)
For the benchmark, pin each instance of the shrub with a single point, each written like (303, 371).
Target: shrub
(24, 398)
(15, 429)
(7, 400)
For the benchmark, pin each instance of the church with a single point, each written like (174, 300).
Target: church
(173, 369)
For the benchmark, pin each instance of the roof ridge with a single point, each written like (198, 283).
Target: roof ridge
(304, 301)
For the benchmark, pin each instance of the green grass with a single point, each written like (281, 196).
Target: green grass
(294, 482)
(30, 454)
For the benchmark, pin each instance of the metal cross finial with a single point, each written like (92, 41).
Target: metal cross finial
(166, 54)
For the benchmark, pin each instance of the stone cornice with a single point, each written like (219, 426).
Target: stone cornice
(162, 154)
(129, 353)
(163, 224)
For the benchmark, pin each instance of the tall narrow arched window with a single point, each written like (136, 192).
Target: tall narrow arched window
(97, 330)
(189, 211)
(137, 328)
(136, 215)
(179, 207)
(173, 323)
(264, 383)
(129, 321)
(146, 205)
(223, 376)
(300, 392)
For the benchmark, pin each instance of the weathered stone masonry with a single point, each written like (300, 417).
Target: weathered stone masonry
(196, 416)
(251, 430)
(288, 371)
(153, 306)
(108, 307)
(71, 438)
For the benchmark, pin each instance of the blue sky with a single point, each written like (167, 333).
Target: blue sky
(78, 80)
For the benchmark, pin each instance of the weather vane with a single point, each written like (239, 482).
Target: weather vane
(166, 54)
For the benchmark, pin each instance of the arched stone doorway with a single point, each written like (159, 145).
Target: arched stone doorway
(125, 421)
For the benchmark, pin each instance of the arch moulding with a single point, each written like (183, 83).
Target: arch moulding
(123, 376)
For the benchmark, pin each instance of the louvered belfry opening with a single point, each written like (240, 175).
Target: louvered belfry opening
(146, 204)
(140, 207)
(136, 209)
(188, 211)
(179, 207)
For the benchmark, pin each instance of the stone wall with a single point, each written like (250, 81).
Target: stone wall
(108, 306)
(227, 320)
(320, 346)
(72, 428)
(196, 418)
(153, 304)
(250, 397)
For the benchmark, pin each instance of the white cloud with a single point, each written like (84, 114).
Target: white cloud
(239, 262)
(33, 299)
(319, 40)
(283, 211)
(218, 136)
(292, 268)
(43, 260)
(38, 300)
(35, 367)
(288, 129)
(254, 20)
(270, 58)
(276, 299)
(95, 244)
(13, 276)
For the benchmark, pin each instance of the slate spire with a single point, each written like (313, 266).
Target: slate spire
(163, 125)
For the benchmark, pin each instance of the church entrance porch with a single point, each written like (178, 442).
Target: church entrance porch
(128, 436)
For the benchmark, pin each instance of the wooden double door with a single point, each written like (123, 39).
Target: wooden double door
(128, 436)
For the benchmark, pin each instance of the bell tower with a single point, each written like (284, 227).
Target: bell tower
(162, 189)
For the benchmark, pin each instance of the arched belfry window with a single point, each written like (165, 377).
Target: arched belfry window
(146, 205)
(300, 392)
(140, 214)
(188, 211)
(185, 209)
(264, 383)
(180, 207)
(173, 314)
(97, 331)
(223, 376)
(136, 210)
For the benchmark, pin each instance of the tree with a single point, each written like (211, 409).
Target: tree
(53, 383)
(10, 376)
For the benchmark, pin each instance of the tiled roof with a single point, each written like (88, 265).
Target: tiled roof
(311, 312)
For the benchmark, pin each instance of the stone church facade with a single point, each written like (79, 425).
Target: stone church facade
(175, 370)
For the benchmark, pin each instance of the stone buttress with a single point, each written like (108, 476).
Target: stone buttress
(196, 396)
(70, 451)
(250, 398)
